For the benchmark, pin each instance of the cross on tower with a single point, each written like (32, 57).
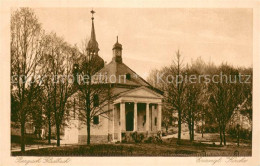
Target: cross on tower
(92, 12)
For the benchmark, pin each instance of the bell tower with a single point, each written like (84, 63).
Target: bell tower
(92, 47)
(117, 51)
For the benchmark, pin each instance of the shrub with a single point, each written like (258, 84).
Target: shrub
(243, 133)
(134, 136)
(149, 140)
(137, 137)
(164, 133)
(29, 139)
(210, 129)
(123, 137)
(154, 139)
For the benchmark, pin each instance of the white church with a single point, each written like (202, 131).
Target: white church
(136, 108)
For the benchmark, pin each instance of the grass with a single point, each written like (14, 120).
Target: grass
(168, 148)
(30, 140)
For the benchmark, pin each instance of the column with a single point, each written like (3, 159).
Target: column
(122, 116)
(147, 117)
(159, 117)
(122, 120)
(135, 116)
(113, 123)
(152, 118)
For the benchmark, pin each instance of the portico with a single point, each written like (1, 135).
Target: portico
(137, 110)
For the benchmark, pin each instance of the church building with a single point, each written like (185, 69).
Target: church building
(137, 106)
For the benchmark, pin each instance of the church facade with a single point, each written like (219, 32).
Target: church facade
(137, 106)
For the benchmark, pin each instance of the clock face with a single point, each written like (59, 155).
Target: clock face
(117, 53)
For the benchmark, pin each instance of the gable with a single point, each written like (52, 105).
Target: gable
(142, 92)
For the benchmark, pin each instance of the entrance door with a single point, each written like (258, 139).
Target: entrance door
(130, 121)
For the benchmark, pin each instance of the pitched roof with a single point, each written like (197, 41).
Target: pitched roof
(116, 73)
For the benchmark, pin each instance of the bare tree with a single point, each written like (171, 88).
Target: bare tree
(94, 89)
(25, 55)
(192, 105)
(58, 64)
(170, 81)
(225, 97)
(175, 89)
(47, 96)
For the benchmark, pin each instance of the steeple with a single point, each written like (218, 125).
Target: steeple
(117, 51)
(93, 44)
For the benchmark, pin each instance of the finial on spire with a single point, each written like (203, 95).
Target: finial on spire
(93, 44)
(117, 39)
(92, 12)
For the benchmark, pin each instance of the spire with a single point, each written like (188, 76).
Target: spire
(93, 44)
(93, 35)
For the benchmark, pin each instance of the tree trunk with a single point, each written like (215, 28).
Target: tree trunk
(220, 133)
(238, 135)
(88, 112)
(88, 106)
(192, 130)
(189, 124)
(179, 125)
(49, 134)
(22, 136)
(58, 134)
(88, 123)
(202, 126)
(202, 132)
(224, 135)
(88, 130)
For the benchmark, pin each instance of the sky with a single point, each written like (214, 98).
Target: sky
(151, 37)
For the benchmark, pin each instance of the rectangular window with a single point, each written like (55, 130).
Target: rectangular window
(128, 76)
(96, 100)
(155, 121)
(96, 120)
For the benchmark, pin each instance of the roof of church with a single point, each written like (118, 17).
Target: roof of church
(116, 73)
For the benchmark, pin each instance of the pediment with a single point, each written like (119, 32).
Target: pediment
(142, 92)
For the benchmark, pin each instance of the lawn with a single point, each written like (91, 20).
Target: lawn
(168, 148)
